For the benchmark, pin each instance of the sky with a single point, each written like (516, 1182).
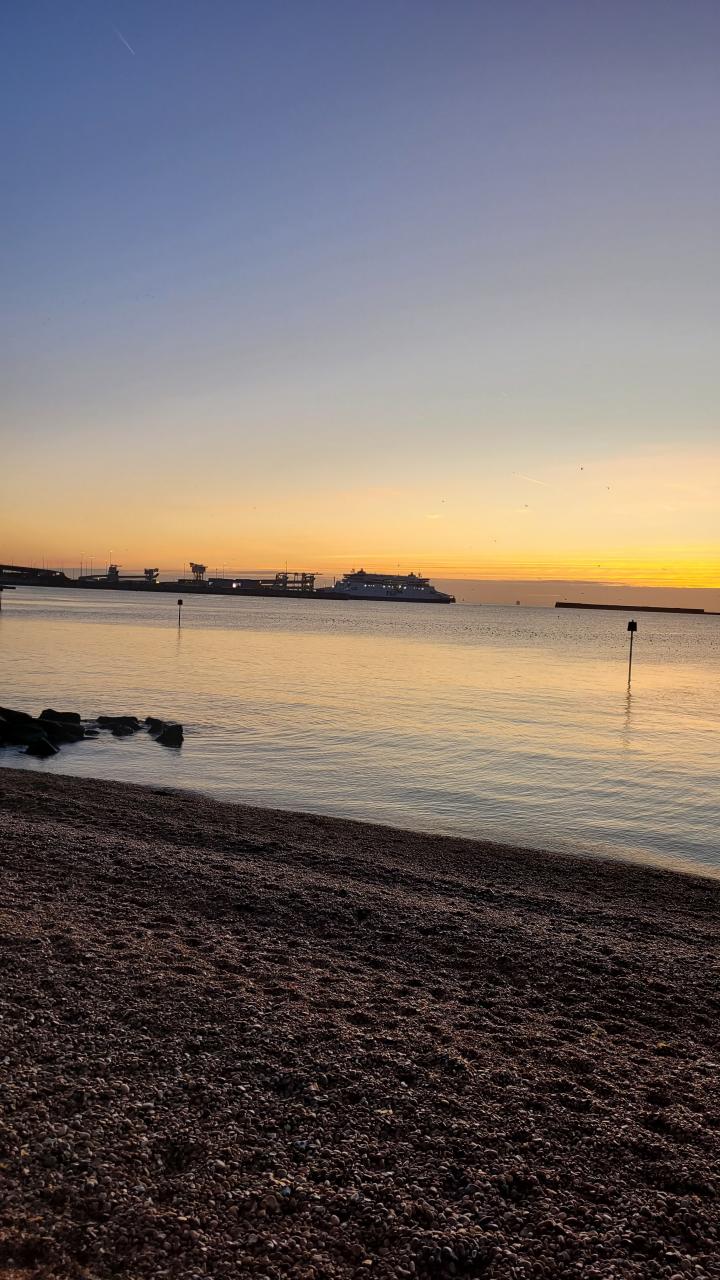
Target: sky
(429, 285)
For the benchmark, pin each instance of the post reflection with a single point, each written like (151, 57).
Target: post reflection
(627, 718)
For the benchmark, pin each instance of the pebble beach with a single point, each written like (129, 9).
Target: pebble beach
(239, 1042)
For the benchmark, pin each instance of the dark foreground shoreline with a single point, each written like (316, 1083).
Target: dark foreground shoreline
(237, 1041)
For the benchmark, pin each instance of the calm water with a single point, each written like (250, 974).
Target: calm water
(512, 724)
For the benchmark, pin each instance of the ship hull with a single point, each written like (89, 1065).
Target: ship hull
(327, 593)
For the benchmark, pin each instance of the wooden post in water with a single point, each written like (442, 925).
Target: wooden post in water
(180, 605)
(632, 628)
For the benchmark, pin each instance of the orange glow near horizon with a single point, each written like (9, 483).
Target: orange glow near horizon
(649, 521)
(697, 572)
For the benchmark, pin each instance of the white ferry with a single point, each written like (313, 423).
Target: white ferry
(406, 588)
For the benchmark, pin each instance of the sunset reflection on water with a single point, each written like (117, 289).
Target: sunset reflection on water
(502, 723)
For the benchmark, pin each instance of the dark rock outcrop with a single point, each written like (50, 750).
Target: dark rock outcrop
(130, 723)
(11, 735)
(41, 748)
(43, 737)
(171, 736)
(15, 717)
(59, 731)
(167, 733)
(19, 733)
(23, 732)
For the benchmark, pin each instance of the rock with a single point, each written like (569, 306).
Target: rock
(70, 717)
(171, 736)
(41, 748)
(15, 717)
(167, 732)
(61, 730)
(112, 722)
(122, 730)
(20, 733)
(12, 734)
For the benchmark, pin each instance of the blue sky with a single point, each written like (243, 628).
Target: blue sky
(385, 254)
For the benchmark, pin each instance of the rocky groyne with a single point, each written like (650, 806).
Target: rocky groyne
(44, 735)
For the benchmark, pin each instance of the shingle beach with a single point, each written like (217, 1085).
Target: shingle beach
(247, 1042)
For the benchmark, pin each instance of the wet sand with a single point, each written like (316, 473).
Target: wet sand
(245, 1042)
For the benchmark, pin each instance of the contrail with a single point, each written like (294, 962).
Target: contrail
(532, 480)
(128, 46)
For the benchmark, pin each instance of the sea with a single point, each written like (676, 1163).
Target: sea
(505, 723)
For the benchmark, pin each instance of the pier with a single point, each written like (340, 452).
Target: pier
(286, 583)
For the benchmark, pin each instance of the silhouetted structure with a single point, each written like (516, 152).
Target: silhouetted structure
(114, 578)
(22, 575)
(630, 608)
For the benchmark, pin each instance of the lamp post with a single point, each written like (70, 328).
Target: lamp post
(632, 628)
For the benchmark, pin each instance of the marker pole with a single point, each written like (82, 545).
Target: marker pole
(632, 628)
(180, 605)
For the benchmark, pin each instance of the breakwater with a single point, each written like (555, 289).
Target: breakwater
(633, 608)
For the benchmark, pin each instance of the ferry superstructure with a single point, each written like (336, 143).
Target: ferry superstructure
(410, 588)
